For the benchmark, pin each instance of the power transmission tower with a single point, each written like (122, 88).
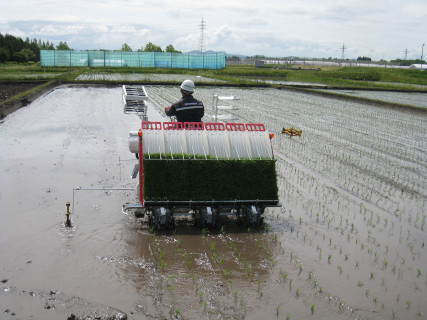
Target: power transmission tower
(202, 36)
(343, 49)
(406, 53)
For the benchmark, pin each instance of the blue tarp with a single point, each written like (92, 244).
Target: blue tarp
(77, 58)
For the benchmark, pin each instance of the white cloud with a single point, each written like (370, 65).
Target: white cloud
(309, 28)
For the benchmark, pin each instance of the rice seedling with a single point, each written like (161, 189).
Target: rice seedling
(277, 311)
(360, 283)
(312, 308)
(224, 273)
(223, 230)
(162, 265)
(204, 232)
(385, 263)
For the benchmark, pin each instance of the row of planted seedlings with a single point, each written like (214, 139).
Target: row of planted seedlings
(369, 216)
(252, 285)
(386, 217)
(352, 225)
(419, 218)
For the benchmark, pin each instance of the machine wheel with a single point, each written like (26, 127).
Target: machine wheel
(252, 215)
(205, 217)
(161, 217)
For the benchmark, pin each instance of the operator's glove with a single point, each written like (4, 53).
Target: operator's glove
(167, 109)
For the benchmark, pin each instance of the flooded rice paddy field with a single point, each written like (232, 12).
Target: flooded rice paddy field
(348, 243)
(410, 98)
(152, 77)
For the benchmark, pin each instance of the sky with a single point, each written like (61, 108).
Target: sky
(379, 29)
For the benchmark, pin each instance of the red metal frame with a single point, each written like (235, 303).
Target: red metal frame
(151, 125)
(255, 127)
(214, 126)
(141, 169)
(172, 125)
(235, 126)
(193, 126)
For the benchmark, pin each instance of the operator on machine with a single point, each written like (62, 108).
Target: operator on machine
(187, 109)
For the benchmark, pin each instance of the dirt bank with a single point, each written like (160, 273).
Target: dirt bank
(9, 90)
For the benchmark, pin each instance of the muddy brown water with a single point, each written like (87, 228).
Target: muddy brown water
(348, 244)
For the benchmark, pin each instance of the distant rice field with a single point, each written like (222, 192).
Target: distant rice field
(411, 98)
(143, 77)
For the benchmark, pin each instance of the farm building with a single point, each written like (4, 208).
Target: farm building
(418, 66)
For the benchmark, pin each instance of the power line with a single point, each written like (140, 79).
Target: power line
(202, 36)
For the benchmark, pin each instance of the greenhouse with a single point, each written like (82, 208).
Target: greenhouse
(80, 58)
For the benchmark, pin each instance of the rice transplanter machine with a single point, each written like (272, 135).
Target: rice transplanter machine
(205, 170)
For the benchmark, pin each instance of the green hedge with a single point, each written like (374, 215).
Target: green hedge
(208, 179)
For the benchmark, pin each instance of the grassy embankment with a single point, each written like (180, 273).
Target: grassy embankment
(346, 77)
(332, 77)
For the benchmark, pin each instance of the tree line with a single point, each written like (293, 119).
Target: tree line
(18, 50)
(15, 49)
(150, 47)
(402, 62)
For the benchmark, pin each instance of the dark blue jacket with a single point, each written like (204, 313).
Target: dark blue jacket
(187, 109)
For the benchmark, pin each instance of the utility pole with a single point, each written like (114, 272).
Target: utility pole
(422, 54)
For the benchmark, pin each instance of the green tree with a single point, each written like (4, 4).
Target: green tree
(170, 48)
(126, 47)
(24, 55)
(62, 46)
(363, 59)
(151, 47)
(4, 55)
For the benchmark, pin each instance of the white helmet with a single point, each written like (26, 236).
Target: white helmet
(188, 86)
